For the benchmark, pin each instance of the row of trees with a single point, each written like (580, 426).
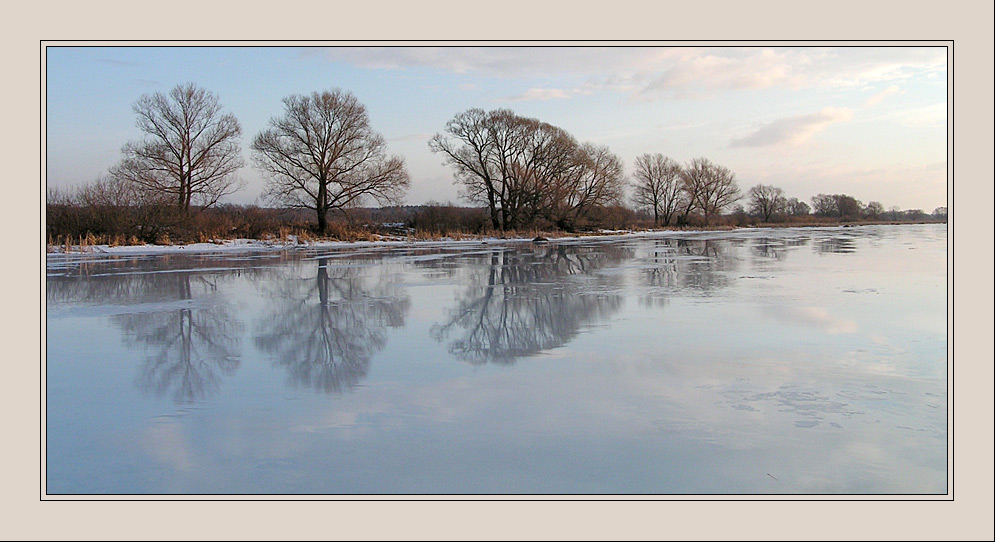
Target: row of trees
(673, 192)
(321, 155)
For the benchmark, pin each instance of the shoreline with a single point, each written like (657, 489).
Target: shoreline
(234, 246)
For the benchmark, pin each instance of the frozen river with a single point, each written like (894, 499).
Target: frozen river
(784, 361)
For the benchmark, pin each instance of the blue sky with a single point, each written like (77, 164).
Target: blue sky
(865, 121)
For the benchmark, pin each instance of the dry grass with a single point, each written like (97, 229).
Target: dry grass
(73, 226)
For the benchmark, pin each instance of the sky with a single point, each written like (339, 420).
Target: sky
(870, 122)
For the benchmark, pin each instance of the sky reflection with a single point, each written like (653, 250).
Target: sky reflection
(799, 361)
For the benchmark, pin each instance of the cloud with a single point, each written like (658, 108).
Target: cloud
(876, 99)
(931, 115)
(541, 94)
(505, 61)
(730, 70)
(794, 130)
(650, 73)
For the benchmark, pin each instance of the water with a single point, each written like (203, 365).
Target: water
(794, 361)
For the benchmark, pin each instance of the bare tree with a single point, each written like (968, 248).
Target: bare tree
(848, 206)
(524, 170)
(542, 166)
(470, 148)
(838, 205)
(824, 205)
(766, 201)
(322, 155)
(594, 179)
(709, 188)
(191, 152)
(797, 208)
(509, 163)
(874, 209)
(658, 186)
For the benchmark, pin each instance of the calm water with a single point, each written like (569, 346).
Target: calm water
(795, 361)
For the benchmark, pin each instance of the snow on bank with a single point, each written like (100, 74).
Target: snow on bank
(255, 245)
(293, 243)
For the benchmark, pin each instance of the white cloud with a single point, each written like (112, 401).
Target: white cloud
(794, 130)
(877, 98)
(541, 94)
(931, 115)
(729, 69)
(649, 73)
(505, 61)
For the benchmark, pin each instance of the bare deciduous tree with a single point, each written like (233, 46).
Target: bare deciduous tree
(766, 201)
(592, 178)
(503, 160)
(824, 205)
(848, 206)
(525, 170)
(658, 187)
(322, 155)
(797, 208)
(838, 205)
(470, 148)
(191, 152)
(874, 209)
(709, 187)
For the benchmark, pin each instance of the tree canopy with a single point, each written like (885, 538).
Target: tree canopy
(322, 155)
(191, 151)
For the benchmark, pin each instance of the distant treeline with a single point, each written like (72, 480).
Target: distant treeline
(88, 215)
(324, 166)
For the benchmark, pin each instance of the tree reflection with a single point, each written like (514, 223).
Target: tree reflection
(836, 245)
(189, 349)
(688, 264)
(766, 247)
(325, 330)
(523, 303)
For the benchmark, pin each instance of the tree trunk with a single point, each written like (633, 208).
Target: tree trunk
(322, 205)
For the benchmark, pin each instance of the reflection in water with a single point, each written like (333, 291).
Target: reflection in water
(325, 330)
(824, 370)
(836, 244)
(523, 303)
(767, 248)
(188, 349)
(685, 266)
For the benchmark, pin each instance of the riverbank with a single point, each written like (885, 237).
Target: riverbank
(292, 242)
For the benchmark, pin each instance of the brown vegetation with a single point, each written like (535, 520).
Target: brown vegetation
(522, 177)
